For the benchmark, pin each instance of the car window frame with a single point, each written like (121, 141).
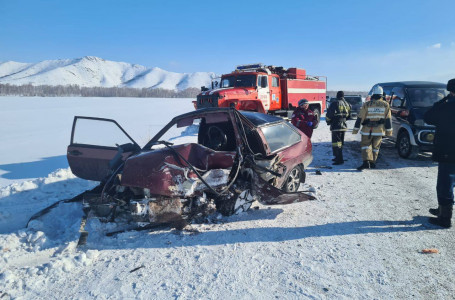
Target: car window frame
(159, 134)
(277, 80)
(403, 101)
(74, 128)
(260, 79)
(411, 101)
(269, 152)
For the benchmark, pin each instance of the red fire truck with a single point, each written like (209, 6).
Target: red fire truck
(266, 89)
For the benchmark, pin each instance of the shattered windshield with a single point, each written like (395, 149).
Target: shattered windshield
(426, 97)
(178, 135)
(239, 81)
(206, 130)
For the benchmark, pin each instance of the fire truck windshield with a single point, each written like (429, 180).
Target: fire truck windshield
(239, 81)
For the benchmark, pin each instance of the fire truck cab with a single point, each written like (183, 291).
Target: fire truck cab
(266, 89)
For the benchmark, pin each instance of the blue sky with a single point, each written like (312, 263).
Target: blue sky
(354, 43)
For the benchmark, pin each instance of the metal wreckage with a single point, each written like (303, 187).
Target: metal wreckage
(206, 161)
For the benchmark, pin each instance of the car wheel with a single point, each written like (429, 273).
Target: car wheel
(317, 113)
(295, 177)
(236, 204)
(404, 147)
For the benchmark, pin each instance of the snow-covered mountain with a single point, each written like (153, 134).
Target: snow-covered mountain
(91, 71)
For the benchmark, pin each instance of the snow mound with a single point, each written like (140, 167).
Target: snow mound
(56, 176)
(37, 194)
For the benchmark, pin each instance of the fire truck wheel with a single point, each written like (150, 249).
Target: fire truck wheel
(317, 113)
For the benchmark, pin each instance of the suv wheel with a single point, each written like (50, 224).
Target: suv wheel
(404, 147)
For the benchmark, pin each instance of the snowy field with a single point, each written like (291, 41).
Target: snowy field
(361, 239)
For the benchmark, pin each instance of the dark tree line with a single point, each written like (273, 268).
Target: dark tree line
(333, 94)
(29, 90)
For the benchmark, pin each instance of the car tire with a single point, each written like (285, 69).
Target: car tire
(404, 147)
(317, 113)
(236, 204)
(295, 177)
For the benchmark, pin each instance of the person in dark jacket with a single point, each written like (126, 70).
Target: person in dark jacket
(303, 118)
(442, 115)
(337, 114)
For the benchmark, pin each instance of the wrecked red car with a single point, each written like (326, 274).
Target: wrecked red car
(206, 161)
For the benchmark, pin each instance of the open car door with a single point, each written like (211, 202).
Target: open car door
(95, 142)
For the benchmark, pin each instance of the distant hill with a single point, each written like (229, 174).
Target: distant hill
(91, 71)
(84, 76)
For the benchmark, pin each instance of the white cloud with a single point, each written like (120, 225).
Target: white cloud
(436, 46)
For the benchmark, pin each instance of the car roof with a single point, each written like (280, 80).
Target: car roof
(259, 119)
(412, 84)
(256, 118)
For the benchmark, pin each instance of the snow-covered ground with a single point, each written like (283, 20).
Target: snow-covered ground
(361, 239)
(35, 131)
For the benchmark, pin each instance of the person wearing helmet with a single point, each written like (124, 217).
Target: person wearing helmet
(303, 118)
(375, 118)
(337, 114)
(441, 115)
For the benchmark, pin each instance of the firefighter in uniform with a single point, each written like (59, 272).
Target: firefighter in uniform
(304, 119)
(376, 122)
(337, 114)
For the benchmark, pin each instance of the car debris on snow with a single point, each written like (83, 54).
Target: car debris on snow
(430, 251)
(206, 161)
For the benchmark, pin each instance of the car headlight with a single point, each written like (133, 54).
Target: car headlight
(427, 137)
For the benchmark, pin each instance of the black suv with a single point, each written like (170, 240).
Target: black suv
(409, 100)
(356, 104)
